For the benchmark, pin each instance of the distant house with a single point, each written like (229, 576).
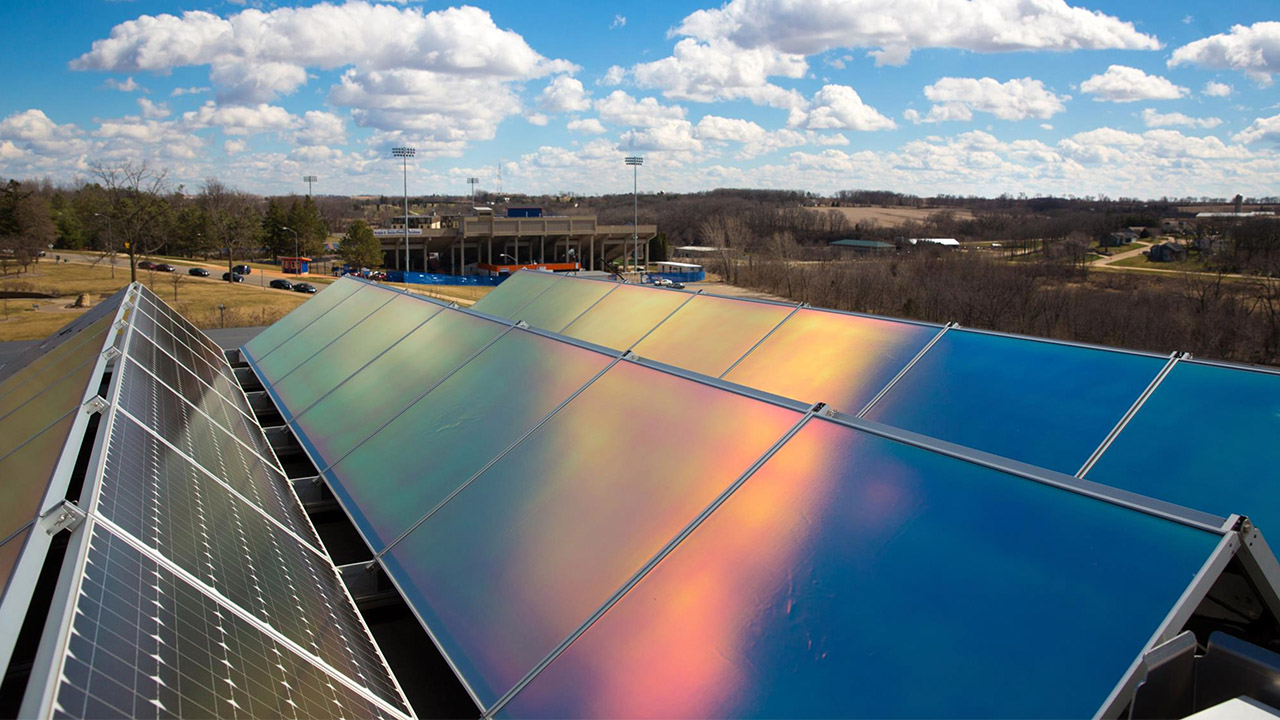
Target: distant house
(1116, 239)
(863, 246)
(1167, 252)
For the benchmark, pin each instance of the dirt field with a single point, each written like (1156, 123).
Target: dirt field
(891, 216)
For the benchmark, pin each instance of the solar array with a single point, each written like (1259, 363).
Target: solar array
(1195, 433)
(595, 518)
(193, 582)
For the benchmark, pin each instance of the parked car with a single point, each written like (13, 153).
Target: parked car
(281, 284)
(304, 288)
(198, 272)
(146, 265)
(163, 267)
(233, 277)
(242, 270)
(377, 275)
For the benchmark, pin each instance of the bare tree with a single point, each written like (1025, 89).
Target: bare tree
(135, 203)
(231, 218)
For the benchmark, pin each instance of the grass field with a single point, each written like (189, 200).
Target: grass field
(197, 299)
(1192, 264)
(891, 216)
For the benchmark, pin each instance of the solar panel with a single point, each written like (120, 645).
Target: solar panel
(47, 369)
(840, 359)
(307, 341)
(508, 567)
(709, 334)
(1205, 438)
(145, 642)
(517, 291)
(855, 576)
(411, 465)
(353, 350)
(624, 316)
(1041, 402)
(25, 474)
(560, 303)
(72, 331)
(154, 494)
(352, 411)
(301, 316)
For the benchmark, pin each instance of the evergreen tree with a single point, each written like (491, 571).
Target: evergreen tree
(277, 240)
(359, 248)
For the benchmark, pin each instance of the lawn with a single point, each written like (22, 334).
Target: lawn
(1192, 264)
(245, 304)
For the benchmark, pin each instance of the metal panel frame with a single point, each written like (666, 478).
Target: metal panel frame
(1124, 420)
(905, 369)
(31, 557)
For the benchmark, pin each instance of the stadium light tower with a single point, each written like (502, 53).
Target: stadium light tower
(308, 179)
(635, 162)
(472, 182)
(404, 153)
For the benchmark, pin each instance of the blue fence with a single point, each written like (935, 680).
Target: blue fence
(442, 279)
(682, 277)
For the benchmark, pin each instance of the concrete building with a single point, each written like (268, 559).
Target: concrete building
(482, 243)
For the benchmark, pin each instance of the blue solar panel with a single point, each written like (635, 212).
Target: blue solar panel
(1043, 403)
(854, 576)
(1207, 438)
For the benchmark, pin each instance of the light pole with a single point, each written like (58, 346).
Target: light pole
(472, 182)
(635, 162)
(296, 254)
(404, 153)
(308, 179)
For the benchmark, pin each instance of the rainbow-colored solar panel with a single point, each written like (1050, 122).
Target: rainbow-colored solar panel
(1040, 402)
(625, 315)
(33, 378)
(839, 359)
(709, 334)
(54, 401)
(1206, 438)
(327, 328)
(350, 352)
(853, 576)
(354, 410)
(562, 302)
(301, 316)
(515, 292)
(411, 465)
(512, 564)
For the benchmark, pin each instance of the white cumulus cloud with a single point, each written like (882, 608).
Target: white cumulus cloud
(1252, 49)
(590, 126)
(619, 108)
(894, 29)
(564, 94)
(1260, 130)
(1018, 99)
(1216, 89)
(1121, 83)
(1157, 119)
(839, 107)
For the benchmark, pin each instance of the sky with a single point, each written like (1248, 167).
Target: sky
(1123, 98)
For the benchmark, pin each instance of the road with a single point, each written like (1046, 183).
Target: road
(258, 278)
(1120, 256)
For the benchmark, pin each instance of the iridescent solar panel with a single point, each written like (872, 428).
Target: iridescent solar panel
(301, 316)
(515, 292)
(411, 465)
(838, 359)
(329, 327)
(1044, 403)
(1206, 438)
(347, 354)
(54, 402)
(709, 334)
(514, 562)
(352, 411)
(853, 576)
(146, 643)
(561, 303)
(624, 316)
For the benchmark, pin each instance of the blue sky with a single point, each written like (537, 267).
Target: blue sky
(1129, 98)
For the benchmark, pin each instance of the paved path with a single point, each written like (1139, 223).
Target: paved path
(1120, 256)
